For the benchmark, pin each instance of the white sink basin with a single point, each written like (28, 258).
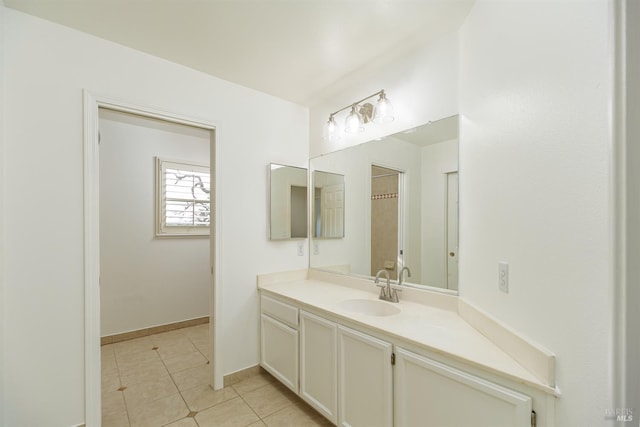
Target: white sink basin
(371, 307)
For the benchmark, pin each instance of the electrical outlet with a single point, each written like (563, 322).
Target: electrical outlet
(316, 248)
(503, 277)
(301, 248)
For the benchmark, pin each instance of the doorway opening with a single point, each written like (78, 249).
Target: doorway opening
(126, 217)
(386, 225)
(152, 273)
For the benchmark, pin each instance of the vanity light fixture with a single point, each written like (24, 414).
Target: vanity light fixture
(359, 115)
(331, 131)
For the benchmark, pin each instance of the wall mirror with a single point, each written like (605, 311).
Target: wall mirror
(287, 202)
(401, 199)
(328, 205)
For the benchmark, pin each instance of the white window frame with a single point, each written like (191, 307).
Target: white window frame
(162, 229)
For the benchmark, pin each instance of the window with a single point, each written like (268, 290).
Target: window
(184, 198)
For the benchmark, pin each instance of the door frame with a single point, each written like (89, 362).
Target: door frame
(91, 166)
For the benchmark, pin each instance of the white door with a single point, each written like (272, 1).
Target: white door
(279, 351)
(364, 380)
(452, 231)
(319, 364)
(429, 393)
(333, 210)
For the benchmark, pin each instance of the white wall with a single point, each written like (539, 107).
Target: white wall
(437, 160)
(422, 87)
(535, 97)
(146, 281)
(46, 68)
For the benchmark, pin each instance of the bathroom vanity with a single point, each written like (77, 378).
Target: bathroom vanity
(429, 360)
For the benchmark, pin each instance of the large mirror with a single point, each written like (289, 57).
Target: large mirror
(400, 205)
(287, 202)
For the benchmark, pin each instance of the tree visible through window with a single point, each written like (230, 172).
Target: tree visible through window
(184, 198)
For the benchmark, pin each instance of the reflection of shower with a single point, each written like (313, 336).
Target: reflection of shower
(385, 184)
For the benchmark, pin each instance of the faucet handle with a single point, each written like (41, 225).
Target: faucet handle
(383, 292)
(394, 295)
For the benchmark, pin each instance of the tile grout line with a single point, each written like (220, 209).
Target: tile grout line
(156, 348)
(208, 362)
(173, 380)
(267, 415)
(126, 407)
(249, 406)
(192, 338)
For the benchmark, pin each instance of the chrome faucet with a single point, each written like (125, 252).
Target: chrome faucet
(401, 274)
(386, 292)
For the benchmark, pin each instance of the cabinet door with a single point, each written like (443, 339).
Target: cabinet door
(319, 364)
(429, 393)
(279, 351)
(364, 378)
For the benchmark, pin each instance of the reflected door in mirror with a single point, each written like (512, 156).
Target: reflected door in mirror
(328, 205)
(452, 231)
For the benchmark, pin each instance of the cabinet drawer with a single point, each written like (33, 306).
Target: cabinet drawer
(279, 310)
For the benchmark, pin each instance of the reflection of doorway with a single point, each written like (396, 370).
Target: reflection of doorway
(298, 204)
(385, 202)
(451, 219)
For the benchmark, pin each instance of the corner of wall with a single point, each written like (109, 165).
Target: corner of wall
(2, 220)
(626, 162)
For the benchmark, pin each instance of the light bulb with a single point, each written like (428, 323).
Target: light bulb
(330, 131)
(353, 123)
(384, 110)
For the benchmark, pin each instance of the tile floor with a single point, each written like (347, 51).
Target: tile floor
(162, 380)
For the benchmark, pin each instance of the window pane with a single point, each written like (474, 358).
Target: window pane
(184, 195)
(183, 184)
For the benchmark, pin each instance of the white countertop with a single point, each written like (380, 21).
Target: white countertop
(435, 329)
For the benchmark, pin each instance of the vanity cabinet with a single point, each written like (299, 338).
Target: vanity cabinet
(364, 377)
(356, 377)
(339, 361)
(319, 364)
(279, 341)
(430, 393)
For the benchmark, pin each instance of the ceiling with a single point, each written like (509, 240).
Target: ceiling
(292, 49)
